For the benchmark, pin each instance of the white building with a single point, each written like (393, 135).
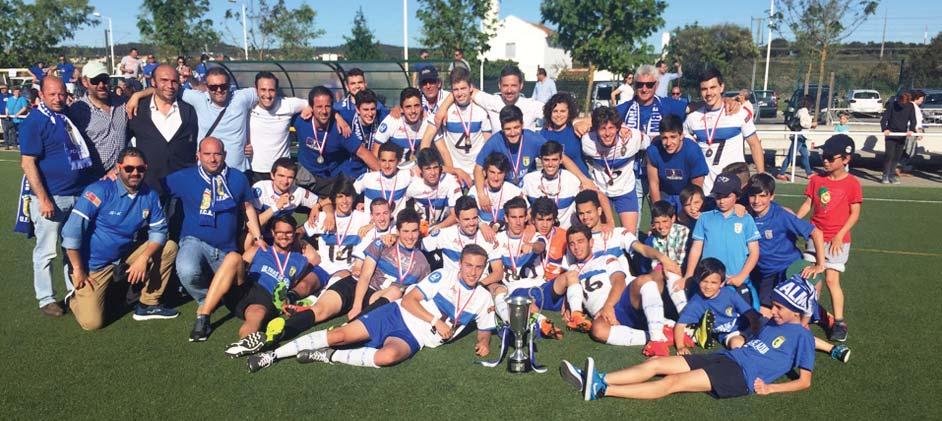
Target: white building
(527, 44)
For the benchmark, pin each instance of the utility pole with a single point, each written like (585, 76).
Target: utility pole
(883, 41)
(754, 25)
(768, 47)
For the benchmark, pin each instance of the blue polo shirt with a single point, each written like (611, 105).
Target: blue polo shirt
(105, 219)
(357, 167)
(674, 171)
(189, 187)
(778, 230)
(527, 151)
(65, 72)
(15, 105)
(572, 145)
(775, 351)
(727, 307)
(726, 238)
(264, 269)
(337, 152)
(45, 141)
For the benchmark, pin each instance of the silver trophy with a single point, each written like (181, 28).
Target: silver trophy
(519, 361)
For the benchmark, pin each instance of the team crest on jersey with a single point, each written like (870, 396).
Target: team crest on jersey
(145, 213)
(207, 199)
(93, 198)
(292, 271)
(526, 161)
(737, 228)
(382, 128)
(824, 196)
(258, 192)
(768, 234)
(434, 277)
(729, 311)
(778, 342)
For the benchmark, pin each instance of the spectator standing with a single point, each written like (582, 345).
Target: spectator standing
(16, 110)
(422, 64)
(199, 72)
(664, 77)
(130, 65)
(66, 72)
(4, 119)
(459, 61)
(148, 70)
(899, 117)
(100, 117)
(624, 92)
(545, 86)
(801, 122)
(912, 142)
(38, 71)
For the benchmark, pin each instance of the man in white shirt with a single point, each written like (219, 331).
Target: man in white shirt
(511, 83)
(130, 65)
(545, 87)
(269, 122)
(625, 91)
(664, 77)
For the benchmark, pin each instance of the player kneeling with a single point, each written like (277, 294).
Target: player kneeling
(782, 345)
(437, 309)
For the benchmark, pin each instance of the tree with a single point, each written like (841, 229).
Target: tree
(927, 64)
(819, 24)
(292, 30)
(30, 32)
(604, 34)
(361, 45)
(450, 24)
(727, 48)
(177, 27)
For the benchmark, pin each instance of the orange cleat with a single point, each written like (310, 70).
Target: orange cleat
(657, 349)
(549, 330)
(579, 322)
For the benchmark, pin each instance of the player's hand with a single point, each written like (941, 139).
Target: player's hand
(837, 246)
(330, 222)
(588, 184)
(47, 209)
(488, 233)
(484, 202)
(442, 329)
(740, 210)
(482, 349)
(811, 271)
(464, 178)
(354, 311)
(680, 284)
(624, 132)
(581, 127)
(761, 388)
(80, 279)
(607, 230)
(732, 105)
(608, 315)
(683, 351)
(311, 255)
(247, 150)
(395, 112)
(389, 239)
(130, 107)
(886, 132)
(283, 200)
(736, 280)
(364, 229)
(670, 266)
(260, 243)
(343, 127)
(111, 175)
(307, 113)
(137, 271)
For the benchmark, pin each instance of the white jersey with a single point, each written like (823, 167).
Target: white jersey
(267, 197)
(615, 246)
(464, 134)
(374, 185)
(268, 131)
(336, 247)
(451, 241)
(562, 189)
(721, 138)
(498, 199)
(493, 103)
(521, 270)
(595, 277)
(612, 168)
(406, 136)
(359, 250)
(433, 203)
(449, 299)
(431, 109)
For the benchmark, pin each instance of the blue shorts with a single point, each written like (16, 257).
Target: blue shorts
(544, 297)
(764, 285)
(628, 315)
(627, 202)
(748, 293)
(386, 322)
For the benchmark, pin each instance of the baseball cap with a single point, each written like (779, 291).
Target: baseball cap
(725, 184)
(794, 293)
(839, 144)
(428, 74)
(94, 68)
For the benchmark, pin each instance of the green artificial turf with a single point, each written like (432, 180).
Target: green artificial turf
(148, 370)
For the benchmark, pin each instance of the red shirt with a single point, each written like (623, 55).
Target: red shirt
(830, 203)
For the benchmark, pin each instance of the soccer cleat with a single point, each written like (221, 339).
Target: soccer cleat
(250, 344)
(841, 353)
(594, 387)
(703, 336)
(274, 329)
(669, 334)
(571, 375)
(579, 322)
(201, 330)
(154, 312)
(657, 349)
(311, 355)
(549, 330)
(259, 361)
(839, 332)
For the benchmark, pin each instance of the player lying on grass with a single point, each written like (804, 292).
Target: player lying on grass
(436, 310)
(782, 345)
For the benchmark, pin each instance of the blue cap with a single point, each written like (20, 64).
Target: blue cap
(428, 74)
(794, 293)
(725, 184)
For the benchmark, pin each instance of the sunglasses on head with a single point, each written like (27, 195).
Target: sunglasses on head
(649, 85)
(98, 80)
(132, 168)
(217, 88)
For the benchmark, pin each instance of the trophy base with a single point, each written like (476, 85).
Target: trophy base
(518, 367)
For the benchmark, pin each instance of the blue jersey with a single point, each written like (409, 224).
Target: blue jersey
(348, 104)
(365, 134)
(66, 70)
(106, 218)
(776, 350)
(337, 151)
(675, 171)
(727, 306)
(522, 156)
(726, 238)
(572, 145)
(189, 187)
(44, 140)
(647, 119)
(778, 230)
(268, 272)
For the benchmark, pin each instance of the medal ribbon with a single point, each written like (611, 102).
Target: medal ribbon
(516, 162)
(466, 127)
(399, 264)
(320, 143)
(712, 134)
(339, 237)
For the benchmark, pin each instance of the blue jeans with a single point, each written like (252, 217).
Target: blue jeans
(193, 257)
(47, 233)
(803, 155)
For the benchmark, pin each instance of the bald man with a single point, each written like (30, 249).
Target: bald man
(58, 166)
(212, 196)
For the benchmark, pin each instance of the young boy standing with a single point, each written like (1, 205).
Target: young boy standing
(834, 200)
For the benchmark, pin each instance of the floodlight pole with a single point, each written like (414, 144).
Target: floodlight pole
(405, 31)
(768, 46)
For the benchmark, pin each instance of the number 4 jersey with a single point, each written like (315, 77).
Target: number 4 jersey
(464, 134)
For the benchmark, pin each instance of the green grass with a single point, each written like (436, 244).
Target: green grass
(146, 370)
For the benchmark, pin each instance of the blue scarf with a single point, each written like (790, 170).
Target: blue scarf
(24, 224)
(216, 197)
(75, 148)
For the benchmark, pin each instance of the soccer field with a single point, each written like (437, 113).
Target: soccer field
(148, 370)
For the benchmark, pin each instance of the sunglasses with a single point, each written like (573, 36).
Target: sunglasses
(130, 169)
(98, 80)
(675, 93)
(217, 88)
(832, 158)
(649, 85)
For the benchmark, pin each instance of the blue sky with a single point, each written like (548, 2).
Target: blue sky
(907, 21)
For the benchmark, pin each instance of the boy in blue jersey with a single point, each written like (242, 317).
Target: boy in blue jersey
(364, 123)
(731, 238)
(782, 345)
(722, 314)
(778, 231)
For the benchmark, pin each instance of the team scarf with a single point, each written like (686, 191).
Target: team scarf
(220, 198)
(75, 148)
(24, 224)
(361, 133)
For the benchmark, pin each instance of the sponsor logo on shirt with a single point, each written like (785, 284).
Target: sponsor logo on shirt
(778, 342)
(92, 198)
(729, 311)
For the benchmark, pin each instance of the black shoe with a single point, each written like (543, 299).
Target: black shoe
(839, 332)
(311, 355)
(201, 330)
(259, 361)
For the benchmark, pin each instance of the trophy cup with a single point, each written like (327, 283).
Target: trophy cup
(519, 360)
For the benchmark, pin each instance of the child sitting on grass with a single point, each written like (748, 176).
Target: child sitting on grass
(671, 239)
(720, 313)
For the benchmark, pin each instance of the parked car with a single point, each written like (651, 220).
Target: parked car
(768, 104)
(932, 107)
(864, 101)
(812, 91)
(602, 93)
(751, 99)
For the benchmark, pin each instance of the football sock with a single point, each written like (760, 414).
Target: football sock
(360, 357)
(625, 336)
(298, 323)
(574, 297)
(501, 306)
(653, 308)
(678, 297)
(314, 340)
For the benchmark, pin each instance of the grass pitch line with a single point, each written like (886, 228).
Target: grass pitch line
(872, 199)
(906, 253)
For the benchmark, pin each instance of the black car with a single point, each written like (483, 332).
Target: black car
(768, 103)
(812, 91)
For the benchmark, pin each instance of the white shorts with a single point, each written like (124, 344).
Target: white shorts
(831, 261)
